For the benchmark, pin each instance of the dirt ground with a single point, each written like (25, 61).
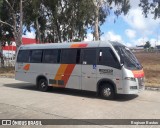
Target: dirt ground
(150, 62)
(151, 65)
(7, 72)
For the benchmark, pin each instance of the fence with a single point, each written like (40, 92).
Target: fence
(8, 62)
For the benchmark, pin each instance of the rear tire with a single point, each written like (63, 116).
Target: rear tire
(107, 92)
(43, 85)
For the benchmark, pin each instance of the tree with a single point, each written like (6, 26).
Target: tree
(150, 6)
(12, 17)
(32, 16)
(64, 20)
(147, 45)
(105, 6)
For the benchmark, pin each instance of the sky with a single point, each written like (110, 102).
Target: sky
(132, 29)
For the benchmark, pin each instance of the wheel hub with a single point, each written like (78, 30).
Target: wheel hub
(107, 92)
(43, 85)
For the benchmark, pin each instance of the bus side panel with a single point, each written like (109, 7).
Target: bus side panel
(89, 77)
(72, 76)
(24, 73)
(63, 75)
(30, 71)
(113, 74)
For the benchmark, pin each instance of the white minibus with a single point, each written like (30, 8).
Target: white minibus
(105, 67)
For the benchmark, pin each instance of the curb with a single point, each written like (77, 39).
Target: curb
(152, 88)
(4, 76)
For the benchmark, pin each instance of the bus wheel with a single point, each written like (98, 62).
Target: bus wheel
(43, 85)
(107, 92)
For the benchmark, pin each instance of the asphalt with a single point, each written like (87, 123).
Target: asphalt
(20, 100)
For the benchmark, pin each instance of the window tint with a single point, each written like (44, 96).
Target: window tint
(89, 56)
(69, 56)
(36, 56)
(51, 56)
(23, 56)
(108, 58)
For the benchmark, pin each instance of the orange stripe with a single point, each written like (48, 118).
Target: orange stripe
(68, 73)
(60, 71)
(67, 69)
(26, 67)
(138, 74)
(79, 45)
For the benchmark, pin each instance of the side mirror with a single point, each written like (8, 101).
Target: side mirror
(122, 65)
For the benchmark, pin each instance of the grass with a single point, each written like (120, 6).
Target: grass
(151, 66)
(150, 62)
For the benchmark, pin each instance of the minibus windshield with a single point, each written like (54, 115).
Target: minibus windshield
(128, 58)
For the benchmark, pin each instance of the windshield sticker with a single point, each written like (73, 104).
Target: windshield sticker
(106, 71)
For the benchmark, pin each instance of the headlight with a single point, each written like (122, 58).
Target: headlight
(130, 78)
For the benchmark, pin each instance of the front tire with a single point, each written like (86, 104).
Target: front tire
(43, 85)
(107, 92)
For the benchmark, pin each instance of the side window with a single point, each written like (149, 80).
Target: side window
(36, 56)
(89, 56)
(50, 56)
(108, 58)
(23, 56)
(69, 56)
(78, 58)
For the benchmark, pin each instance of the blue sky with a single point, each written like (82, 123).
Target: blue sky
(131, 30)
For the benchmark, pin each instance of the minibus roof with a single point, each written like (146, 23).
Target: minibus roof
(71, 45)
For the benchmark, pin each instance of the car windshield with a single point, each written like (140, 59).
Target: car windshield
(128, 58)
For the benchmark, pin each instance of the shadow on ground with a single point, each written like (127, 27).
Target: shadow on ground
(64, 91)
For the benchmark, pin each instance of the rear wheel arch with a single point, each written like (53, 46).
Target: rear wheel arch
(42, 83)
(40, 77)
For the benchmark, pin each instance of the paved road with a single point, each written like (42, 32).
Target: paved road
(19, 100)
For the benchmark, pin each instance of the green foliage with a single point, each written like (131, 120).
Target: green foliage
(1, 3)
(123, 6)
(76, 40)
(6, 34)
(150, 6)
(147, 45)
(57, 20)
(60, 20)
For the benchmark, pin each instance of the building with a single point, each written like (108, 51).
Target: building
(158, 47)
(9, 51)
(137, 48)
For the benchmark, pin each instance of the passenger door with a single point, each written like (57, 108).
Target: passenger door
(89, 69)
(108, 67)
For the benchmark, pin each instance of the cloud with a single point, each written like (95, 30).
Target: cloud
(136, 20)
(89, 37)
(142, 41)
(130, 33)
(129, 45)
(112, 37)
